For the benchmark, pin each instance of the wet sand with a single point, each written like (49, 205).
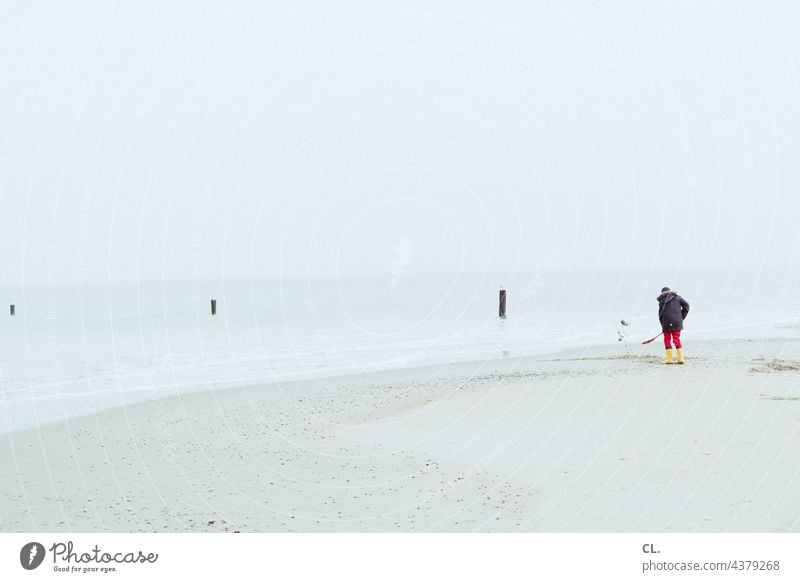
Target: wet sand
(597, 439)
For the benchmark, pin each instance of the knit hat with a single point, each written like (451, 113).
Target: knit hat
(665, 289)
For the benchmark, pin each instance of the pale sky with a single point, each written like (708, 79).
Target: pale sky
(195, 139)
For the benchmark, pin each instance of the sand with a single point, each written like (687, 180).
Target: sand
(603, 439)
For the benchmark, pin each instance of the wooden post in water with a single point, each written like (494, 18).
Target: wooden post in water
(12, 308)
(213, 307)
(503, 303)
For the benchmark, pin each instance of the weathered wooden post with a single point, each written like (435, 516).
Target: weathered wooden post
(213, 307)
(502, 303)
(12, 309)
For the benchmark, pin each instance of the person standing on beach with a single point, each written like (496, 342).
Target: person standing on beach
(672, 310)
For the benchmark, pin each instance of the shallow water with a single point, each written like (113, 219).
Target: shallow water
(73, 349)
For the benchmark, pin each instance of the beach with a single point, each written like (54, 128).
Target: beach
(597, 439)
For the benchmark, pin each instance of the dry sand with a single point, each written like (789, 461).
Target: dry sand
(585, 440)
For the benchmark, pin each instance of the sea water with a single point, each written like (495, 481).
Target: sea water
(74, 349)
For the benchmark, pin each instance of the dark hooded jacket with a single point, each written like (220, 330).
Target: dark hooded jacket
(672, 310)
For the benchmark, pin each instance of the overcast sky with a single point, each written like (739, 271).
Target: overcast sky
(193, 139)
